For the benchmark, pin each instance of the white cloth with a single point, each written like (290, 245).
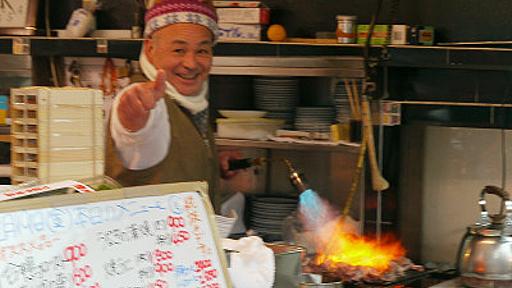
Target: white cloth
(149, 146)
(252, 265)
(235, 203)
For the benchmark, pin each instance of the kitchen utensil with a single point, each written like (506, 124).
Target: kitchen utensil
(321, 285)
(485, 253)
(288, 264)
(378, 182)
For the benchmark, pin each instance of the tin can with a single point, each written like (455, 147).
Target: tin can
(346, 29)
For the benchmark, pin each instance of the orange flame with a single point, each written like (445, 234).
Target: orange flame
(339, 245)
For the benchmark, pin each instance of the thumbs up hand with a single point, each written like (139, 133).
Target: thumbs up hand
(137, 102)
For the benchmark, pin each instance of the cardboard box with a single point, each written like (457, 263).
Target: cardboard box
(4, 107)
(415, 35)
(388, 114)
(422, 35)
(379, 35)
(232, 31)
(260, 15)
(400, 34)
(247, 4)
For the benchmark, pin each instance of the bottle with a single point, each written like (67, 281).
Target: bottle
(346, 29)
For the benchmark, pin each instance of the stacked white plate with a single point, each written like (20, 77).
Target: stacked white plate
(267, 213)
(342, 103)
(278, 96)
(315, 119)
(287, 116)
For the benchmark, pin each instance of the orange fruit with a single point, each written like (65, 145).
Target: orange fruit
(276, 32)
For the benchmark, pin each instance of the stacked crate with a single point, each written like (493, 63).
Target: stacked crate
(57, 134)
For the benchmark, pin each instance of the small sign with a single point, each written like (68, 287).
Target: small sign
(18, 192)
(21, 46)
(102, 46)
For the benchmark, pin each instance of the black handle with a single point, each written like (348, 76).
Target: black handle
(235, 164)
(497, 218)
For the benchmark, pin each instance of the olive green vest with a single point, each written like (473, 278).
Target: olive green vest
(190, 158)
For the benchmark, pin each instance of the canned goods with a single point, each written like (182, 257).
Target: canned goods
(346, 29)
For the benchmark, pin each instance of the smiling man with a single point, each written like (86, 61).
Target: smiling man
(159, 129)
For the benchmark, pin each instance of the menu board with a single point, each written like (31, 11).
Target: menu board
(149, 236)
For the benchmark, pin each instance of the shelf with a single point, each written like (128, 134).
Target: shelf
(449, 57)
(457, 114)
(329, 66)
(285, 146)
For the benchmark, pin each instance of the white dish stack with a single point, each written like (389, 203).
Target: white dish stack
(278, 96)
(57, 134)
(314, 119)
(246, 124)
(342, 103)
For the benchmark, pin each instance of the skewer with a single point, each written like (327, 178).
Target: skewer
(356, 177)
(348, 88)
(378, 182)
(357, 103)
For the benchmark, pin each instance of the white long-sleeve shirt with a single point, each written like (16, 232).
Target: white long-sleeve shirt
(146, 147)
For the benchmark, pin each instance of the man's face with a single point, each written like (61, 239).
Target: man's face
(184, 51)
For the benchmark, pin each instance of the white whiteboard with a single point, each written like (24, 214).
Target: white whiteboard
(151, 241)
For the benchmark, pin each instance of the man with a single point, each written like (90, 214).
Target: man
(159, 129)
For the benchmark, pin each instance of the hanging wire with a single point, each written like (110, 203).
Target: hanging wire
(368, 86)
(503, 159)
(504, 142)
(53, 69)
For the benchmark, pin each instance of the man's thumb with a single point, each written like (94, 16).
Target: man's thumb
(160, 84)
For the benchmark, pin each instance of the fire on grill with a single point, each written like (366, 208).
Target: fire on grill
(343, 255)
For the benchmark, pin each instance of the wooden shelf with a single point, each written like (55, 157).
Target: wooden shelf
(286, 146)
(5, 138)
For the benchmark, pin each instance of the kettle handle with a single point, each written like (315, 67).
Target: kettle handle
(505, 199)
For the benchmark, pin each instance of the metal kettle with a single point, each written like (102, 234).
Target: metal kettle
(484, 258)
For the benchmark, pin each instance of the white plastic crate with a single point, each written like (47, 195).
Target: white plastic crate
(58, 134)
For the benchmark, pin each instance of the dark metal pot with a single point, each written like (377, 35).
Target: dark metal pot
(484, 258)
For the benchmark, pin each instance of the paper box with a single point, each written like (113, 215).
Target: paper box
(388, 114)
(259, 15)
(247, 4)
(4, 107)
(379, 35)
(231, 31)
(422, 35)
(415, 35)
(400, 34)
